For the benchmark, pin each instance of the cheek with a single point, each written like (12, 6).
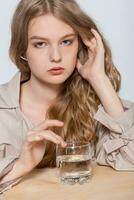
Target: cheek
(35, 57)
(71, 55)
(34, 62)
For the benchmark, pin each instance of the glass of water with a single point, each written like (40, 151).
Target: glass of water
(74, 162)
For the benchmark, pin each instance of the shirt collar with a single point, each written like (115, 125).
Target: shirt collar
(10, 92)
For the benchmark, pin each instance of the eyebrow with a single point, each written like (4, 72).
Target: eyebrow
(43, 38)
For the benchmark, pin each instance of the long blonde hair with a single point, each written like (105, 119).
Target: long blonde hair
(77, 102)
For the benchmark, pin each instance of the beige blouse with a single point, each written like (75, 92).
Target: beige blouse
(115, 146)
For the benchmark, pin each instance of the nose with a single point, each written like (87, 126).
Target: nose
(55, 54)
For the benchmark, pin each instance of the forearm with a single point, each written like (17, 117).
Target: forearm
(18, 171)
(107, 95)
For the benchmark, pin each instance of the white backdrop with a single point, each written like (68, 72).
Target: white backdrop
(115, 20)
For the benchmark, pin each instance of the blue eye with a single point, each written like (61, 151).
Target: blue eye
(39, 45)
(67, 42)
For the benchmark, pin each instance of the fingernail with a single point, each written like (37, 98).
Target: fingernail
(58, 142)
(62, 123)
(39, 137)
(64, 144)
(92, 29)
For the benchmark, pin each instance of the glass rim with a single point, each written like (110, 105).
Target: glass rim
(75, 144)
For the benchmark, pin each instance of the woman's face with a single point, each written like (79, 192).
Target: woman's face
(51, 44)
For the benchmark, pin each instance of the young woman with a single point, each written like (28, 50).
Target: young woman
(66, 89)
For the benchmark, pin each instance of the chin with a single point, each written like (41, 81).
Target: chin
(55, 80)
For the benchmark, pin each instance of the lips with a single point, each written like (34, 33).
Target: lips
(56, 68)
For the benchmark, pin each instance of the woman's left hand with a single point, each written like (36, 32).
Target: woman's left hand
(94, 66)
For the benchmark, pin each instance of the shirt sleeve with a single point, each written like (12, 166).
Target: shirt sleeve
(8, 155)
(115, 146)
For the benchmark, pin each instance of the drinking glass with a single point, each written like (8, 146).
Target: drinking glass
(74, 162)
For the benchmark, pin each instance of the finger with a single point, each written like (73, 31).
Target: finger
(62, 142)
(46, 135)
(79, 66)
(48, 123)
(98, 38)
(93, 44)
(86, 41)
(53, 137)
(34, 138)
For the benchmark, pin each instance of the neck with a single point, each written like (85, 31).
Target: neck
(41, 94)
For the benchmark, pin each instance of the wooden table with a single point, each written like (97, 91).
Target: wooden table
(43, 184)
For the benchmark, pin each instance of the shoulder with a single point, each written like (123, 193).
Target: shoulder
(4, 95)
(9, 92)
(9, 102)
